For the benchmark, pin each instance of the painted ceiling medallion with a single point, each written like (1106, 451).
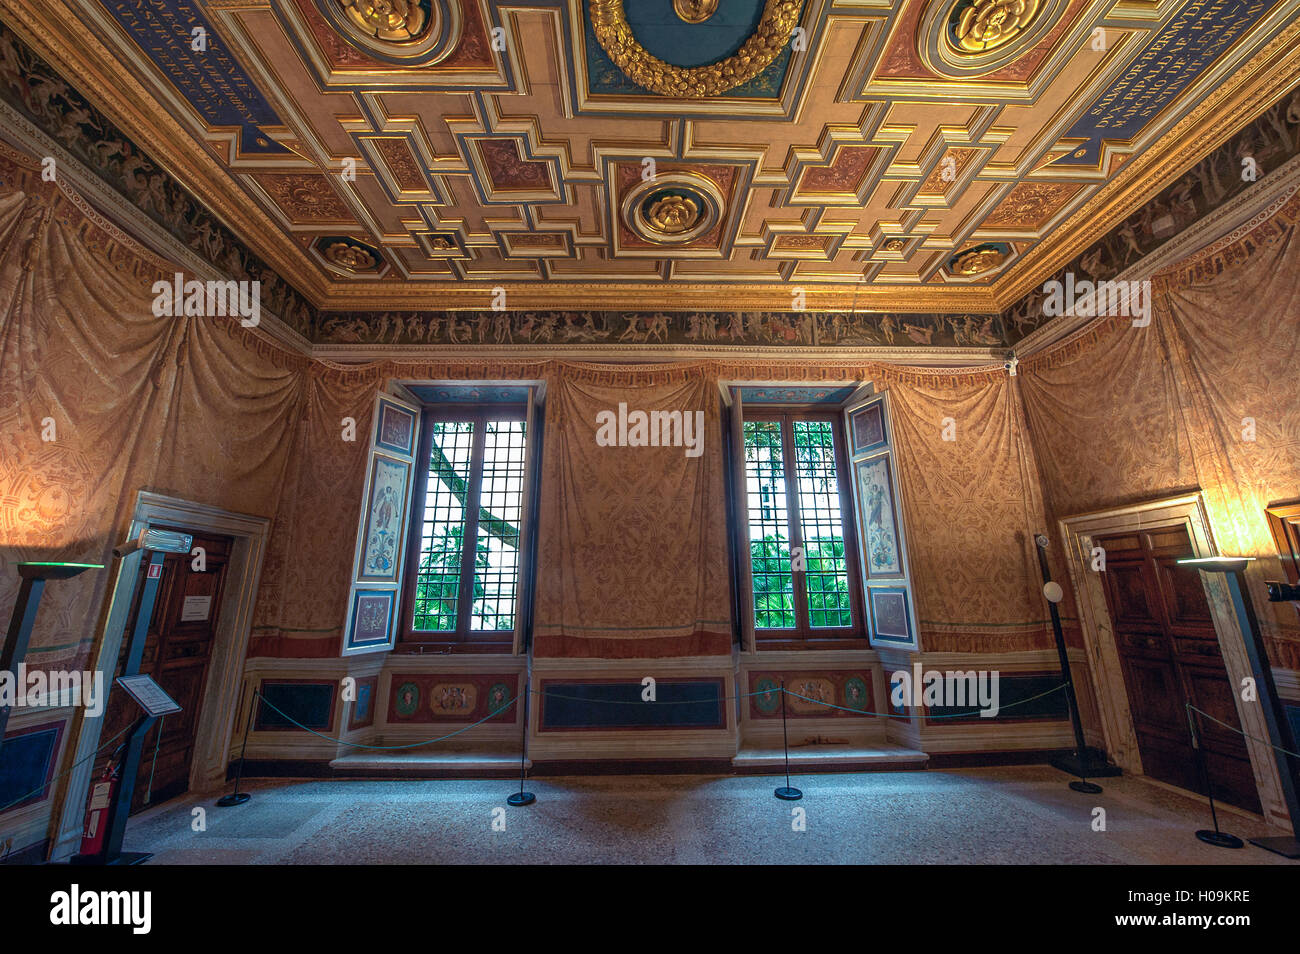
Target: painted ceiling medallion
(673, 209)
(755, 55)
(351, 257)
(976, 26)
(695, 11)
(394, 21)
(978, 260)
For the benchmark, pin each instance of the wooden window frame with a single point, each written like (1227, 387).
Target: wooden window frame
(804, 636)
(462, 639)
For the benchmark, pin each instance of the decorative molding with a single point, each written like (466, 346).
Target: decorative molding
(1241, 211)
(1234, 103)
(123, 219)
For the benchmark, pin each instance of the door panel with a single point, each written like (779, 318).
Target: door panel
(1169, 654)
(1132, 600)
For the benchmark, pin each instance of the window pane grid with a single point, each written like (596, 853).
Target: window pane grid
(818, 498)
(769, 535)
(496, 571)
(442, 535)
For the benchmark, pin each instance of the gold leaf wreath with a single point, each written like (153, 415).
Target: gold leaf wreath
(754, 56)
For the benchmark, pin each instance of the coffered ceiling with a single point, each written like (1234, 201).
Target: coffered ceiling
(916, 155)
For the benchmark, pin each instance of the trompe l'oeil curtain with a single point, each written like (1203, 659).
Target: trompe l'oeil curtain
(632, 557)
(99, 398)
(202, 409)
(972, 504)
(1202, 398)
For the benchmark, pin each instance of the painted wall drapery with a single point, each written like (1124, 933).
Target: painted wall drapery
(1203, 397)
(632, 557)
(204, 409)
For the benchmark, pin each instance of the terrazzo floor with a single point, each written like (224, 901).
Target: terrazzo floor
(1018, 815)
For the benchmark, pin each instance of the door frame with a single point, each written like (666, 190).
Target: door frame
(212, 734)
(1187, 511)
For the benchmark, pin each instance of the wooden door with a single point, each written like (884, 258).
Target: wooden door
(176, 655)
(1169, 653)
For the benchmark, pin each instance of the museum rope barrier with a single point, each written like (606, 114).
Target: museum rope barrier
(1279, 748)
(362, 745)
(1215, 837)
(1287, 847)
(899, 715)
(786, 793)
(46, 784)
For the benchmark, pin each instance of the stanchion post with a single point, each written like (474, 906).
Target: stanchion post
(1083, 763)
(237, 797)
(521, 798)
(786, 794)
(1220, 839)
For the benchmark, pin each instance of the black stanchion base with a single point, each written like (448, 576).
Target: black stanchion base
(238, 798)
(1284, 845)
(789, 794)
(521, 798)
(124, 858)
(1220, 839)
(1086, 787)
(1092, 765)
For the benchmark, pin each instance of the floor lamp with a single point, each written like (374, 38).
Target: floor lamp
(1233, 570)
(1084, 762)
(34, 577)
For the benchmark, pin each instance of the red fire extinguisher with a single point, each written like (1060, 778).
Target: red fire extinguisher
(101, 798)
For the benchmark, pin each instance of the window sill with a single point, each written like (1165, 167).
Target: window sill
(454, 649)
(767, 644)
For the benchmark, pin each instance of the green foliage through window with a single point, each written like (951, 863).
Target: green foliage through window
(820, 578)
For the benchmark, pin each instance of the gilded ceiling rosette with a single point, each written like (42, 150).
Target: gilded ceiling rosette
(971, 37)
(406, 32)
(695, 11)
(756, 54)
(394, 21)
(986, 24)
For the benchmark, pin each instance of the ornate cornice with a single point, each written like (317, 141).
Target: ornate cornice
(20, 140)
(646, 296)
(846, 358)
(1240, 213)
(1239, 100)
(56, 33)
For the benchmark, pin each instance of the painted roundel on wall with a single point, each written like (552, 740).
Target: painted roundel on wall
(855, 693)
(407, 699)
(768, 696)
